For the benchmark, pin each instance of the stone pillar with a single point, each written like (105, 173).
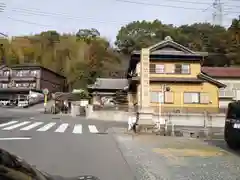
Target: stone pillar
(145, 110)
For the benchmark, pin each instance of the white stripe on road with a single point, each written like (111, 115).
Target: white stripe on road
(15, 138)
(46, 127)
(62, 128)
(8, 123)
(92, 129)
(17, 125)
(77, 129)
(31, 126)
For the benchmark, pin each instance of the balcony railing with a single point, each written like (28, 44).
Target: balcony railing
(226, 93)
(24, 75)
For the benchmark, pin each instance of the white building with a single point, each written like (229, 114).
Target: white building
(229, 76)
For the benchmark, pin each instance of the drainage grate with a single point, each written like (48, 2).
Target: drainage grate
(102, 133)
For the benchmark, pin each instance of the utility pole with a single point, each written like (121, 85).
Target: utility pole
(217, 13)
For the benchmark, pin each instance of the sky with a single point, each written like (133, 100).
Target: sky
(24, 17)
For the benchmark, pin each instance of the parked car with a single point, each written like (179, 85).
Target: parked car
(232, 125)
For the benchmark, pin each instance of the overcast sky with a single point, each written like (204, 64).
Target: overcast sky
(32, 16)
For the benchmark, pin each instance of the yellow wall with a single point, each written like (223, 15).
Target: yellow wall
(195, 69)
(179, 89)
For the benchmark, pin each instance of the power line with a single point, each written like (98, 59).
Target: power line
(37, 12)
(28, 22)
(194, 2)
(157, 5)
(27, 12)
(170, 6)
(126, 1)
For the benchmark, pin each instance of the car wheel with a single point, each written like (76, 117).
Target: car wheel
(233, 145)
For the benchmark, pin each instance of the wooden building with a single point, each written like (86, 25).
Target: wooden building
(18, 80)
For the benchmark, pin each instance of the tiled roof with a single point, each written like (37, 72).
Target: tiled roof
(222, 71)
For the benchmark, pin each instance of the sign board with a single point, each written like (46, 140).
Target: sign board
(144, 76)
(45, 91)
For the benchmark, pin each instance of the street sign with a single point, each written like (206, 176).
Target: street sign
(45, 91)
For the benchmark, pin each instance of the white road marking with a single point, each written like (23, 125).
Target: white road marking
(17, 125)
(62, 128)
(77, 129)
(8, 123)
(31, 126)
(92, 129)
(15, 138)
(46, 127)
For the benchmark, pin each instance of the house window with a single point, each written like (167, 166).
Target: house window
(159, 69)
(204, 98)
(152, 68)
(25, 84)
(34, 73)
(5, 85)
(6, 73)
(236, 86)
(178, 68)
(169, 97)
(19, 73)
(157, 97)
(33, 85)
(191, 98)
(182, 68)
(185, 68)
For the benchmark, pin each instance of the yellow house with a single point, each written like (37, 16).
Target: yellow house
(176, 83)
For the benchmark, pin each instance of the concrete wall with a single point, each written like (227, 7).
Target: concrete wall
(196, 120)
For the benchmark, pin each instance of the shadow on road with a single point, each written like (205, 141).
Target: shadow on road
(220, 143)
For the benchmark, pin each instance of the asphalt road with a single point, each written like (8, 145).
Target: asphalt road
(69, 153)
(61, 145)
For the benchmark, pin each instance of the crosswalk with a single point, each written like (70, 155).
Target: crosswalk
(47, 126)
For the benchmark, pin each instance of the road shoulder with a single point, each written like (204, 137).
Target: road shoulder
(159, 157)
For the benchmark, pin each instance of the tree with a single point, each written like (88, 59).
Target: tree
(80, 58)
(88, 34)
(198, 37)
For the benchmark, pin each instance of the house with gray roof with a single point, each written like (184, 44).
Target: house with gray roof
(104, 90)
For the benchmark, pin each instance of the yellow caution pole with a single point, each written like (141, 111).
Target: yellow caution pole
(45, 103)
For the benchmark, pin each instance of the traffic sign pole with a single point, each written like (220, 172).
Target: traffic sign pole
(45, 92)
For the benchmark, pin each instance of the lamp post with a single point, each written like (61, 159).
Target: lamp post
(163, 87)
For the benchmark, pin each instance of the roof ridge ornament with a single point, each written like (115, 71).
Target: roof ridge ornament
(168, 38)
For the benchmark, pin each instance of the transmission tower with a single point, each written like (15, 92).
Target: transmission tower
(217, 12)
